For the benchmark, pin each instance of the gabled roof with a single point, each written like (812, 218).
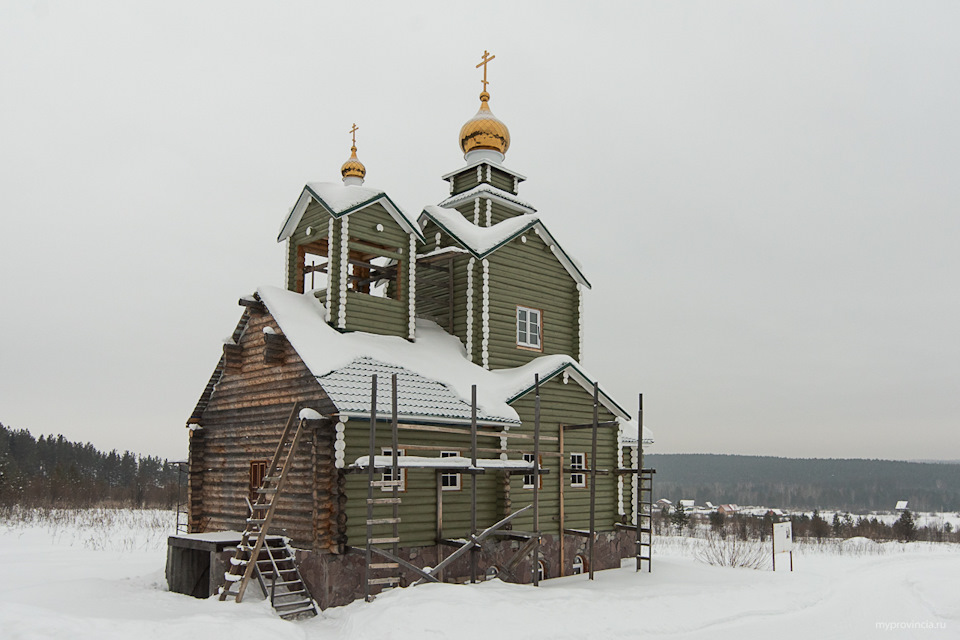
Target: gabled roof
(341, 200)
(218, 371)
(434, 375)
(489, 191)
(482, 241)
(548, 368)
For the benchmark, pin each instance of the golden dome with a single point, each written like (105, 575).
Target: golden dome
(353, 168)
(484, 130)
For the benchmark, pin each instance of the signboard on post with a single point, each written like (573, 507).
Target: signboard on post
(782, 541)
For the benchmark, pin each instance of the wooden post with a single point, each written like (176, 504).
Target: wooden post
(473, 480)
(638, 508)
(370, 471)
(395, 444)
(563, 480)
(536, 478)
(450, 289)
(773, 544)
(439, 479)
(593, 472)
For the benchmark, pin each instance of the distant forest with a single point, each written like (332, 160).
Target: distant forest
(850, 485)
(51, 471)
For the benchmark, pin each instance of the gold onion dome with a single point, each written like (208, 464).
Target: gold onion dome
(484, 130)
(353, 168)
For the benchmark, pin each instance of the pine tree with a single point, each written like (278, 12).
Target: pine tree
(905, 528)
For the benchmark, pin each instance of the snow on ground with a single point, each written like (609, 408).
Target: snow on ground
(100, 575)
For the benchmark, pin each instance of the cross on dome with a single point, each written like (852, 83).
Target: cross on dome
(353, 170)
(486, 58)
(484, 133)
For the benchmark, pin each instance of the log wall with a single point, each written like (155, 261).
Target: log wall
(242, 422)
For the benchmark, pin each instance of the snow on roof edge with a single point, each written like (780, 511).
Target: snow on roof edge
(375, 195)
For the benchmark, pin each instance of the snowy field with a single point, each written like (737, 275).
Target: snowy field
(99, 574)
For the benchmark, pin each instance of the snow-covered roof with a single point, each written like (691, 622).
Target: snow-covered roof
(418, 398)
(489, 191)
(479, 161)
(901, 505)
(433, 373)
(341, 200)
(628, 433)
(482, 241)
(450, 462)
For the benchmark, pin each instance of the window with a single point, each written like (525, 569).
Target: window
(529, 329)
(373, 269)
(258, 469)
(528, 477)
(578, 565)
(541, 571)
(388, 474)
(312, 258)
(578, 462)
(450, 481)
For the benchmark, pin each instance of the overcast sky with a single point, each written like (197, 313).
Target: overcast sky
(764, 196)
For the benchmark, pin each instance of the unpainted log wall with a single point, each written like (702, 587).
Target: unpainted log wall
(242, 422)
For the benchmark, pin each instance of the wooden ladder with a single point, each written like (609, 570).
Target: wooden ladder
(248, 557)
(385, 575)
(645, 520)
(279, 578)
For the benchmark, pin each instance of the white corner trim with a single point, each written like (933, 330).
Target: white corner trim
(286, 267)
(328, 303)
(489, 211)
(620, 509)
(412, 288)
(476, 211)
(344, 256)
(485, 317)
(339, 446)
(579, 323)
(470, 264)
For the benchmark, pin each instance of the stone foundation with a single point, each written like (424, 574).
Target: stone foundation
(336, 580)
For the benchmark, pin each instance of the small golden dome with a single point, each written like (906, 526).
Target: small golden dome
(484, 130)
(353, 168)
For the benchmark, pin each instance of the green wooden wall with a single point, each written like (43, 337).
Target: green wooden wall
(560, 404)
(364, 312)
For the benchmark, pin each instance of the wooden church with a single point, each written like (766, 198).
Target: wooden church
(411, 406)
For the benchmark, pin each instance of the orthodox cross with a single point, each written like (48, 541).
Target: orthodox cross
(486, 58)
(353, 132)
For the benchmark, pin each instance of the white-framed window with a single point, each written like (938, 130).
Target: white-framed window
(578, 462)
(450, 481)
(541, 571)
(578, 565)
(388, 474)
(529, 328)
(528, 477)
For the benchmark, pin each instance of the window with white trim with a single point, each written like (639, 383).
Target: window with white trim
(450, 481)
(388, 474)
(541, 571)
(529, 328)
(578, 462)
(528, 477)
(578, 565)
